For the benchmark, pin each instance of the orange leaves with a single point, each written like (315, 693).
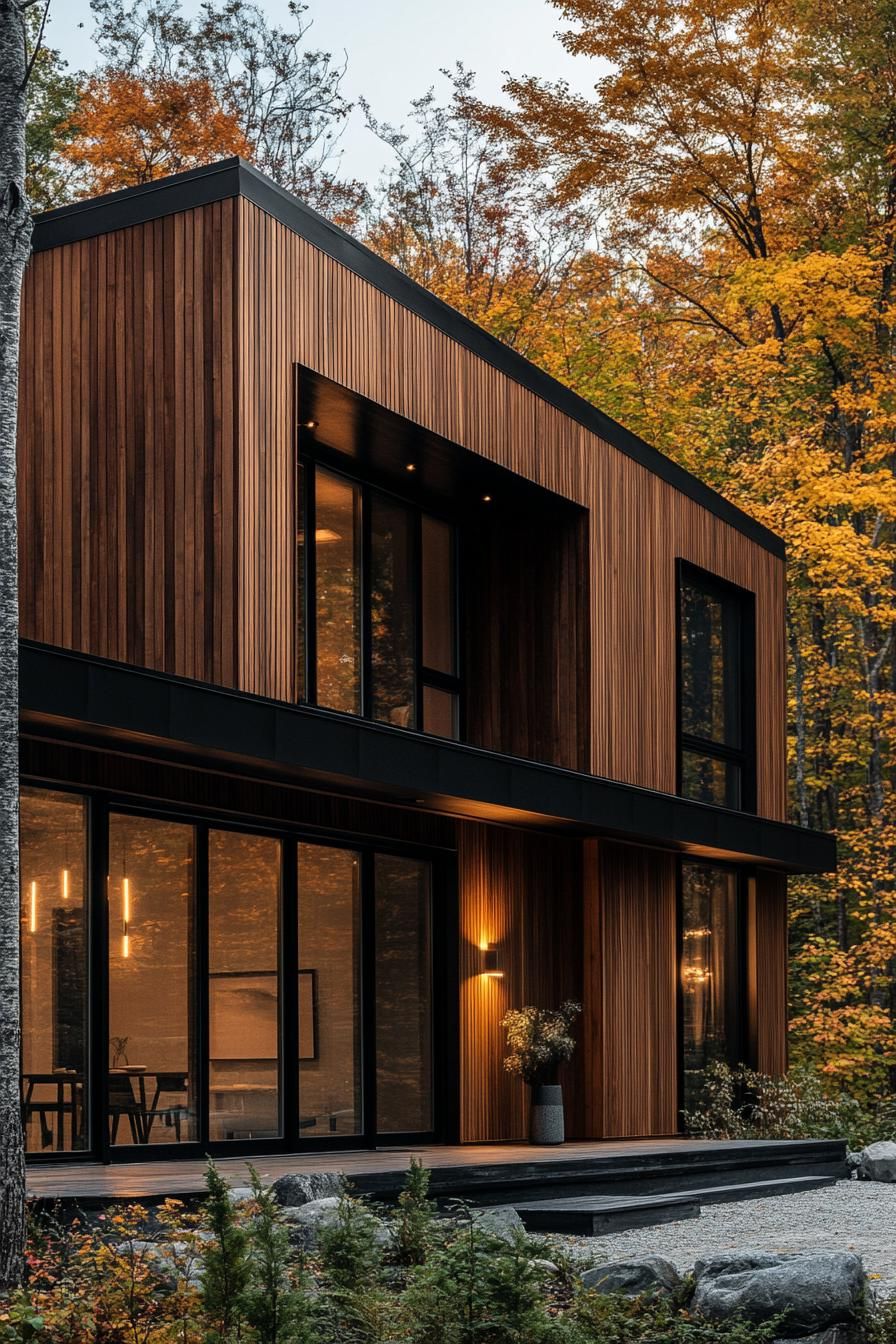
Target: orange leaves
(135, 128)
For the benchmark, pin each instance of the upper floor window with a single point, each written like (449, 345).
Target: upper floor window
(716, 691)
(378, 625)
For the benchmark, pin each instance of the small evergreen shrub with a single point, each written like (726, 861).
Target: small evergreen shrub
(413, 1226)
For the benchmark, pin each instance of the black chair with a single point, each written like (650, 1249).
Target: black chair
(121, 1101)
(166, 1084)
(58, 1105)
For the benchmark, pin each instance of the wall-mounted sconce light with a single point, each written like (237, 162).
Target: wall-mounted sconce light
(308, 424)
(489, 963)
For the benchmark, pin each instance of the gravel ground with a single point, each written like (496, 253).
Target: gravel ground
(855, 1216)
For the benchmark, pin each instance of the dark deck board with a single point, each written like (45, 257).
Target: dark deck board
(514, 1164)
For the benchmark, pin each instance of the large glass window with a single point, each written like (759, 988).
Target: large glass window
(243, 993)
(712, 981)
(393, 615)
(54, 971)
(403, 995)
(348, 1036)
(337, 604)
(151, 1076)
(715, 692)
(329, 997)
(377, 634)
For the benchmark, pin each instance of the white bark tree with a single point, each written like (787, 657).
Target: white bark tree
(15, 246)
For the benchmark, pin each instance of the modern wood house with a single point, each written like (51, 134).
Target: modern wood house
(372, 683)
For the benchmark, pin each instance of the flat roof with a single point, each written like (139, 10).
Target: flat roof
(234, 177)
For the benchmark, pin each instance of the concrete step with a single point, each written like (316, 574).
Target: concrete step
(597, 1215)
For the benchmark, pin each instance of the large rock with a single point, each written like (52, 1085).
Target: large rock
(302, 1187)
(633, 1278)
(306, 1222)
(809, 1292)
(878, 1162)
(837, 1334)
(502, 1222)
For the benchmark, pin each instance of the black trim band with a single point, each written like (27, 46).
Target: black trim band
(232, 177)
(93, 697)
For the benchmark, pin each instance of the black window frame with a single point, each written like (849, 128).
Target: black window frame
(743, 756)
(445, 1099)
(740, 1044)
(305, 616)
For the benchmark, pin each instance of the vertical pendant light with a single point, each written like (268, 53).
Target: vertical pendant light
(32, 912)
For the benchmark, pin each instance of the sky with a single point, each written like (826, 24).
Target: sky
(395, 49)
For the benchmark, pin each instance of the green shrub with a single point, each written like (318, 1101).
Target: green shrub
(413, 1224)
(274, 1302)
(225, 1263)
(743, 1104)
(610, 1318)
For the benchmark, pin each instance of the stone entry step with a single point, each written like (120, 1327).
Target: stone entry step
(598, 1215)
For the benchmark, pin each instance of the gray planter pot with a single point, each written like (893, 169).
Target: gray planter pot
(546, 1119)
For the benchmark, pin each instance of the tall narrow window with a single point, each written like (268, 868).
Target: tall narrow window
(712, 981)
(54, 971)
(393, 623)
(716, 711)
(439, 616)
(329, 1027)
(151, 1076)
(338, 577)
(403, 995)
(243, 997)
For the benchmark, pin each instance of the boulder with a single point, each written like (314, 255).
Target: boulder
(175, 1260)
(302, 1187)
(307, 1221)
(878, 1162)
(502, 1221)
(809, 1292)
(737, 1262)
(240, 1194)
(837, 1334)
(634, 1278)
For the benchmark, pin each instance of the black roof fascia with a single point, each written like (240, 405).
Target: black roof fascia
(233, 177)
(346, 752)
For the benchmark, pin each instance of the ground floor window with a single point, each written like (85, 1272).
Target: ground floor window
(713, 1002)
(188, 983)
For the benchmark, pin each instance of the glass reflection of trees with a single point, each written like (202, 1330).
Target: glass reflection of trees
(711, 973)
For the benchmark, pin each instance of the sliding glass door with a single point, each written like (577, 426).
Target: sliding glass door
(191, 987)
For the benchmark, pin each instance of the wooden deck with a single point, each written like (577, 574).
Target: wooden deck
(92, 1181)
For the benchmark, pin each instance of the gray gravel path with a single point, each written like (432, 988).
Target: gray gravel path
(855, 1216)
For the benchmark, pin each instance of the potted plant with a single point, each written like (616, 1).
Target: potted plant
(539, 1041)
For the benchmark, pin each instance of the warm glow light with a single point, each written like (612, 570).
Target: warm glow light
(309, 424)
(65, 876)
(489, 960)
(32, 920)
(125, 916)
(486, 499)
(411, 466)
(321, 534)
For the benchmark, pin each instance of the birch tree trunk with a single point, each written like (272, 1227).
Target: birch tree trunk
(15, 245)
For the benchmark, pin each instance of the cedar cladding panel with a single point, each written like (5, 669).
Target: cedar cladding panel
(767, 971)
(157, 479)
(631, 1013)
(521, 890)
(126, 449)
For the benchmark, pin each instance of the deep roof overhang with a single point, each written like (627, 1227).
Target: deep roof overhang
(74, 697)
(233, 177)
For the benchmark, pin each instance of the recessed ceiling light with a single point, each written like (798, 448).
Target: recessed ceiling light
(411, 466)
(486, 499)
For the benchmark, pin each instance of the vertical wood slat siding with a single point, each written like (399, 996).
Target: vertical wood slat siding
(520, 890)
(630, 932)
(767, 971)
(110, 567)
(127, 446)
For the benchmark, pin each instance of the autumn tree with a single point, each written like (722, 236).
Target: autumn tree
(221, 82)
(743, 153)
